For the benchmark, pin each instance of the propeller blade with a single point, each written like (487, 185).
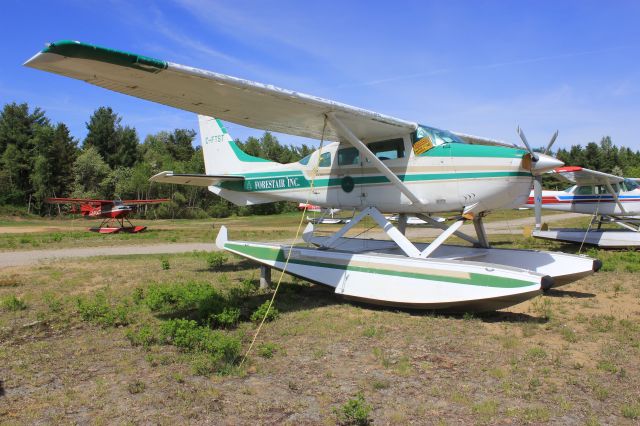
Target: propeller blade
(534, 156)
(537, 200)
(551, 142)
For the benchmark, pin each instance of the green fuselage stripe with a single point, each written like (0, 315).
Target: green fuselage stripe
(273, 181)
(279, 255)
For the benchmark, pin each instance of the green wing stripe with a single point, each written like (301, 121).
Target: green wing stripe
(75, 49)
(279, 255)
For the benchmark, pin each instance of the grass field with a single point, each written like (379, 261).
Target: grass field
(159, 339)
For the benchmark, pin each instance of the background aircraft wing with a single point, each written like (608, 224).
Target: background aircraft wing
(76, 201)
(212, 94)
(582, 176)
(193, 179)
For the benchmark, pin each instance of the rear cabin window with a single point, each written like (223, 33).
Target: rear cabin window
(388, 150)
(348, 157)
(325, 160)
(305, 160)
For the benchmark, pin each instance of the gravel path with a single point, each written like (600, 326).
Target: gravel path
(20, 258)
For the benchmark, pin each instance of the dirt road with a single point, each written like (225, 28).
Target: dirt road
(19, 258)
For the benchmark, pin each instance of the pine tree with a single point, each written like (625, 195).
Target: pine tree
(116, 144)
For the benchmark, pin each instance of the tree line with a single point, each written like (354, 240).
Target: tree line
(40, 159)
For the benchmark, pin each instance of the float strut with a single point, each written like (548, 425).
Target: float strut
(265, 277)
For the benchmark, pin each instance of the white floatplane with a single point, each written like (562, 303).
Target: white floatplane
(371, 163)
(607, 198)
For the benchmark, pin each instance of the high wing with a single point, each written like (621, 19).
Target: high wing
(77, 201)
(103, 202)
(193, 179)
(479, 140)
(582, 176)
(208, 93)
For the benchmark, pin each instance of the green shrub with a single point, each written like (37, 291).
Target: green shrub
(262, 311)
(190, 337)
(138, 295)
(98, 310)
(216, 259)
(180, 298)
(355, 412)
(13, 303)
(164, 264)
(228, 318)
(247, 288)
(144, 336)
(631, 411)
(267, 350)
(53, 302)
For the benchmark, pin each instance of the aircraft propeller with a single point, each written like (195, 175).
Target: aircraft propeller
(537, 174)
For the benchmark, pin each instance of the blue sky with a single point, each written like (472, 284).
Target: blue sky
(478, 67)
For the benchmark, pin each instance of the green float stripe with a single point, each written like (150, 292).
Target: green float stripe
(75, 49)
(279, 255)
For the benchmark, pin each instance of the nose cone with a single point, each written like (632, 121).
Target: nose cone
(545, 163)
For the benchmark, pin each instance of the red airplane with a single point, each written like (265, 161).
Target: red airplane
(113, 212)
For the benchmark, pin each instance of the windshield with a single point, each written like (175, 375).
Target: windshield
(631, 184)
(438, 136)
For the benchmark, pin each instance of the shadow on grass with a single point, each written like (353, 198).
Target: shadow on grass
(291, 297)
(489, 317)
(568, 293)
(241, 265)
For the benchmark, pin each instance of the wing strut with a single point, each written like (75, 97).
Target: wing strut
(614, 194)
(343, 131)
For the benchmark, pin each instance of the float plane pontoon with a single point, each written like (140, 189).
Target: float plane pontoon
(606, 197)
(372, 163)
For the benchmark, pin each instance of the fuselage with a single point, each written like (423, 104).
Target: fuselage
(590, 199)
(445, 173)
(113, 211)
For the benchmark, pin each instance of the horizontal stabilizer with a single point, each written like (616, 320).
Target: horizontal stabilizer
(193, 179)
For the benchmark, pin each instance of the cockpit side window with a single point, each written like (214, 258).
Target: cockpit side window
(348, 157)
(388, 150)
(584, 190)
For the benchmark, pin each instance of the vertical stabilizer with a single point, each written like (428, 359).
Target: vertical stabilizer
(221, 154)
